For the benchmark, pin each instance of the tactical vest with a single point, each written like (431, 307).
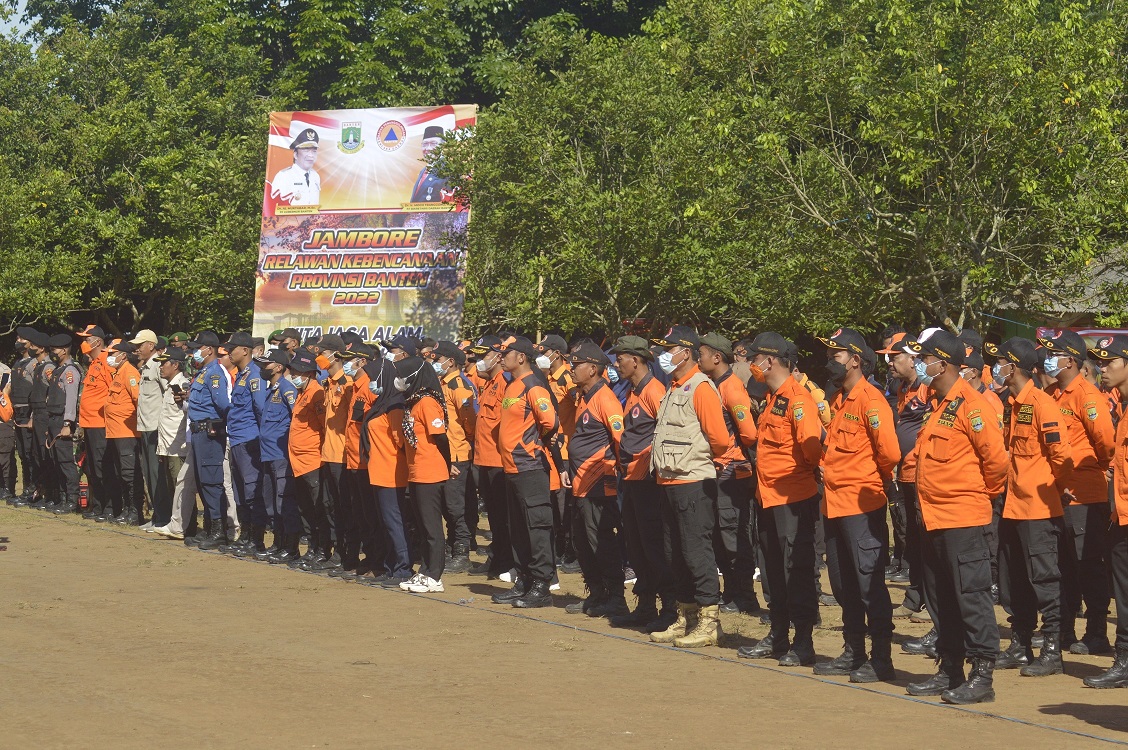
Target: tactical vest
(37, 398)
(56, 396)
(21, 384)
(681, 450)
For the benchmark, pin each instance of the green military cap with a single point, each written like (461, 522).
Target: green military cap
(275, 336)
(718, 343)
(635, 345)
(178, 337)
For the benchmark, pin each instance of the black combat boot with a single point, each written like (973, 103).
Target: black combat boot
(948, 677)
(667, 616)
(771, 646)
(852, 657)
(537, 596)
(978, 687)
(1048, 661)
(459, 559)
(802, 653)
(521, 587)
(1117, 674)
(644, 613)
(879, 668)
(923, 646)
(214, 539)
(1018, 653)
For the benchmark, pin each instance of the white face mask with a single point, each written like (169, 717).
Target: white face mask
(298, 381)
(350, 367)
(481, 366)
(666, 362)
(389, 356)
(438, 367)
(544, 362)
(400, 384)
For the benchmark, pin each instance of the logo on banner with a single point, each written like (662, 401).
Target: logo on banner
(390, 136)
(350, 141)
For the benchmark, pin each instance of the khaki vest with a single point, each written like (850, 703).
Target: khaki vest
(681, 450)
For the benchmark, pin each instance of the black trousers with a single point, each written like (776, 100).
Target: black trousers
(1083, 568)
(689, 513)
(8, 456)
(307, 490)
(23, 448)
(471, 504)
(732, 535)
(371, 529)
(957, 579)
(492, 486)
(857, 551)
(150, 469)
(45, 468)
(338, 496)
(427, 507)
(597, 548)
(530, 519)
(62, 456)
(1117, 545)
(563, 511)
(899, 515)
(914, 526)
(124, 484)
(1029, 574)
(95, 467)
(993, 539)
(646, 544)
(454, 507)
(787, 536)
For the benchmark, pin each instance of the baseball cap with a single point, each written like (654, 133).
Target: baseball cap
(290, 333)
(972, 358)
(239, 338)
(635, 345)
(122, 346)
(351, 338)
(402, 343)
(358, 350)
(1065, 342)
(1110, 347)
(846, 339)
(486, 344)
(257, 341)
(277, 356)
(1018, 351)
(450, 350)
(942, 345)
(972, 338)
(303, 361)
(896, 344)
(90, 330)
(173, 354)
(719, 343)
(331, 342)
(776, 345)
(678, 336)
(520, 344)
(589, 352)
(553, 342)
(144, 336)
(205, 338)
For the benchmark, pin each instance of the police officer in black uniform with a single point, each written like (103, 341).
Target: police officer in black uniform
(62, 424)
(37, 400)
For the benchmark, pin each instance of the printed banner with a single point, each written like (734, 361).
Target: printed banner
(357, 234)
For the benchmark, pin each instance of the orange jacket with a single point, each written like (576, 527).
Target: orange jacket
(790, 446)
(121, 403)
(740, 424)
(595, 442)
(961, 461)
(1084, 410)
(1041, 459)
(861, 451)
(306, 427)
(564, 389)
(362, 398)
(95, 391)
(459, 398)
(1120, 473)
(425, 463)
(338, 409)
(489, 420)
(527, 414)
(387, 461)
(638, 428)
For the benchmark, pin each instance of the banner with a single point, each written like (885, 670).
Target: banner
(356, 233)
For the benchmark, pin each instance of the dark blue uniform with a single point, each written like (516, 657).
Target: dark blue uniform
(248, 397)
(274, 443)
(208, 405)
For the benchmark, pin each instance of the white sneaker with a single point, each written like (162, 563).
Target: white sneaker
(147, 526)
(425, 585)
(756, 575)
(554, 586)
(507, 576)
(415, 580)
(167, 533)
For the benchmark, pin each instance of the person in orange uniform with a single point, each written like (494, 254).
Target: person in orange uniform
(306, 428)
(552, 361)
(689, 436)
(1031, 529)
(591, 474)
(528, 421)
(1111, 353)
(642, 510)
(382, 452)
(961, 465)
(365, 519)
(92, 420)
(336, 512)
(788, 453)
(858, 460)
(461, 403)
(124, 485)
(732, 535)
(487, 459)
(424, 433)
(1091, 435)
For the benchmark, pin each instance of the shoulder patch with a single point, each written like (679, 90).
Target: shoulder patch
(437, 422)
(543, 403)
(797, 411)
(70, 377)
(616, 422)
(874, 419)
(255, 382)
(215, 381)
(1091, 412)
(290, 398)
(740, 412)
(976, 424)
(133, 382)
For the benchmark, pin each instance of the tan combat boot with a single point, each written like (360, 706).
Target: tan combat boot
(680, 626)
(707, 632)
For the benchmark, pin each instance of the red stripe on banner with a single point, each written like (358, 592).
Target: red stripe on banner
(315, 120)
(465, 122)
(283, 132)
(429, 115)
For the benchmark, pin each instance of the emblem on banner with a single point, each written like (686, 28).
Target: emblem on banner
(350, 141)
(390, 136)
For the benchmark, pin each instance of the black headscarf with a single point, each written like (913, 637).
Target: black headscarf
(422, 382)
(381, 372)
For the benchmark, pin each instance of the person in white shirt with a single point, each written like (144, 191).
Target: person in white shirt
(173, 448)
(299, 184)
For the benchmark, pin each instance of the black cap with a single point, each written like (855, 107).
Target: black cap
(972, 358)
(162, 342)
(37, 338)
(290, 333)
(403, 343)
(90, 330)
(588, 352)
(486, 344)
(303, 361)
(553, 342)
(1110, 347)
(972, 338)
(26, 333)
(520, 344)
(678, 336)
(358, 350)
(205, 338)
(1018, 351)
(240, 338)
(635, 345)
(277, 356)
(450, 350)
(125, 347)
(60, 340)
(1065, 342)
(331, 342)
(942, 345)
(308, 138)
(257, 341)
(719, 343)
(174, 354)
(432, 131)
(351, 338)
(770, 342)
(846, 339)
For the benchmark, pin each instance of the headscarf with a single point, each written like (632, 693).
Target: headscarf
(381, 372)
(421, 382)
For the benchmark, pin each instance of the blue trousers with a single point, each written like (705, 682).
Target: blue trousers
(207, 464)
(246, 480)
(278, 492)
(397, 561)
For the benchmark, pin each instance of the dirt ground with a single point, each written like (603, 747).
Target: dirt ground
(113, 638)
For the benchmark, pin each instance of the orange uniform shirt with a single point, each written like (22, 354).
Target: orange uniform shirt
(362, 398)
(790, 446)
(306, 427)
(488, 423)
(1041, 460)
(95, 392)
(1120, 472)
(710, 414)
(121, 403)
(638, 428)
(460, 402)
(595, 442)
(861, 451)
(387, 460)
(996, 405)
(564, 389)
(1085, 413)
(740, 425)
(527, 415)
(425, 464)
(909, 402)
(961, 461)
(338, 409)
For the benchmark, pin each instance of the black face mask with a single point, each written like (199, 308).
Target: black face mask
(836, 375)
(134, 359)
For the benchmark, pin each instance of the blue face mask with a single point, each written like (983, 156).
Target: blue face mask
(997, 374)
(298, 381)
(922, 373)
(197, 357)
(1051, 366)
(612, 375)
(438, 368)
(376, 388)
(350, 367)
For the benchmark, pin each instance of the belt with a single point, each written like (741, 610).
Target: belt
(203, 424)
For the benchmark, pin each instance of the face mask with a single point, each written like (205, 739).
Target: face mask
(666, 362)
(400, 384)
(389, 356)
(836, 375)
(481, 366)
(198, 357)
(922, 373)
(272, 347)
(350, 367)
(376, 388)
(85, 347)
(1051, 366)
(997, 375)
(322, 361)
(113, 361)
(298, 381)
(612, 375)
(438, 368)
(757, 372)
(544, 362)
